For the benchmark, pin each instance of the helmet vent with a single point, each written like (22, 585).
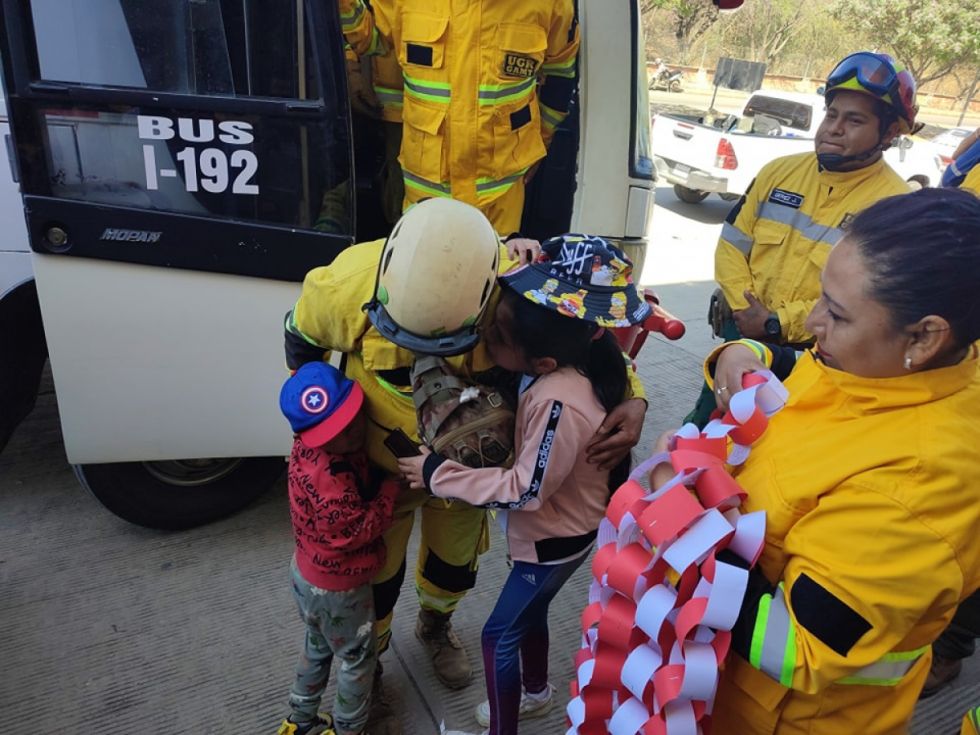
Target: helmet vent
(384, 266)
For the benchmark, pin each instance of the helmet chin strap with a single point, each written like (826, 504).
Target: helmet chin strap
(835, 161)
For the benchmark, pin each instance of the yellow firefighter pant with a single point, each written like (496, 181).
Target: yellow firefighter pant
(453, 535)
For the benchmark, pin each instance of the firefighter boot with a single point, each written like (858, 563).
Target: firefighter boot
(446, 651)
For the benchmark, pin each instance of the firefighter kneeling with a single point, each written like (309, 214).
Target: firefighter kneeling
(424, 290)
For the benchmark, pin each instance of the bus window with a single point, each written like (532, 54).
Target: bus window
(257, 163)
(202, 47)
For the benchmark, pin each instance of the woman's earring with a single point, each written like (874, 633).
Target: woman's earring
(908, 362)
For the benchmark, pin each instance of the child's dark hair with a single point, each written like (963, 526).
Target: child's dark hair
(546, 333)
(922, 256)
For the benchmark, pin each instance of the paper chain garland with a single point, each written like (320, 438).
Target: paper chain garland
(661, 606)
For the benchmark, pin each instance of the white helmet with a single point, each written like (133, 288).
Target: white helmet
(435, 277)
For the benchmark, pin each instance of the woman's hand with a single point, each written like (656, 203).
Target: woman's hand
(618, 434)
(733, 363)
(660, 474)
(523, 249)
(411, 468)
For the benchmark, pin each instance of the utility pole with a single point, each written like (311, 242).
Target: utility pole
(969, 97)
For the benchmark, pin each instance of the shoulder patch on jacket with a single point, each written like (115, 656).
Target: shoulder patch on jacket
(519, 65)
(786, 198)
(830, 619)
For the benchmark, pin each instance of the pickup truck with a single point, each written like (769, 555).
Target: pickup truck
(718, 153)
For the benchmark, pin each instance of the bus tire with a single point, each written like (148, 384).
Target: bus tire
(179, 494)
(691, 196)
(23, 352)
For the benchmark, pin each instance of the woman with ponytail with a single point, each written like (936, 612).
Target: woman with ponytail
(551, 327)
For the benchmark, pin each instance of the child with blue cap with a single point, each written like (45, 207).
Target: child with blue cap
(337, 525)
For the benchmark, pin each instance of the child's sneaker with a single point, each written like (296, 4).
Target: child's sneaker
(532, 705)
(322, 725)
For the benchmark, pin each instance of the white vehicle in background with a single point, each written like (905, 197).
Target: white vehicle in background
(704, 154)
(22, 346)
(177, 160)
(948, 141)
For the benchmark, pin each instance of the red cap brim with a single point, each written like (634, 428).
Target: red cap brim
(335, 422)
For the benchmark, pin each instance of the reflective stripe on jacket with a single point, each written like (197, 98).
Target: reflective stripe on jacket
(971, 722)
(388, 85)
(872, 502)
(473, 122)
(778, 240)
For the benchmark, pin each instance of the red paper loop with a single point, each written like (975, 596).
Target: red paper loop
(717, 447)
(608, 665)
(687, 461)
(718, 489)
(602, 559)
(750, 430)
(623, 499)
(616, 625)
(668, 515)
(629, 564)
(667, 683)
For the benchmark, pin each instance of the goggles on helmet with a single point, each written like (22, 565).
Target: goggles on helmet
(877, 74)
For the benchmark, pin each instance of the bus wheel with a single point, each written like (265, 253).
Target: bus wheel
(691, 196)
(177, 494)
(23, 353)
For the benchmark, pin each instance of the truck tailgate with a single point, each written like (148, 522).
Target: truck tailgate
(684, 144)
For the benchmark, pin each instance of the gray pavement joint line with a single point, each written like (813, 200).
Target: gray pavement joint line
(415, 685)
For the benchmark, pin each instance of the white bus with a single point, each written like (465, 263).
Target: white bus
(174, 158)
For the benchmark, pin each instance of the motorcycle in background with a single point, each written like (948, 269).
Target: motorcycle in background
(668, 79)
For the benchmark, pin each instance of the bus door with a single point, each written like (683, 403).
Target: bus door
(183, 164)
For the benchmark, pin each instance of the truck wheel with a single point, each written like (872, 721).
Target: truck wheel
(919, 181)
(691, 196)
(178, 494)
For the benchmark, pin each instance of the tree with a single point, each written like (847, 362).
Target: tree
(690, 19)
(763, 28)
(931, 37)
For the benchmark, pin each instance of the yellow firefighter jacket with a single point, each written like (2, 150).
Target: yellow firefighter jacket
(971, 722)
(972, 180)
(473, 121)
(872, 501)
(329, 314)
(777, 238)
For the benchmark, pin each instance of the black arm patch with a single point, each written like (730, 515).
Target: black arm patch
(733, 213)
(825, 616)
(556, 93)
(783, 360)
(417, 54)
(520, 118)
